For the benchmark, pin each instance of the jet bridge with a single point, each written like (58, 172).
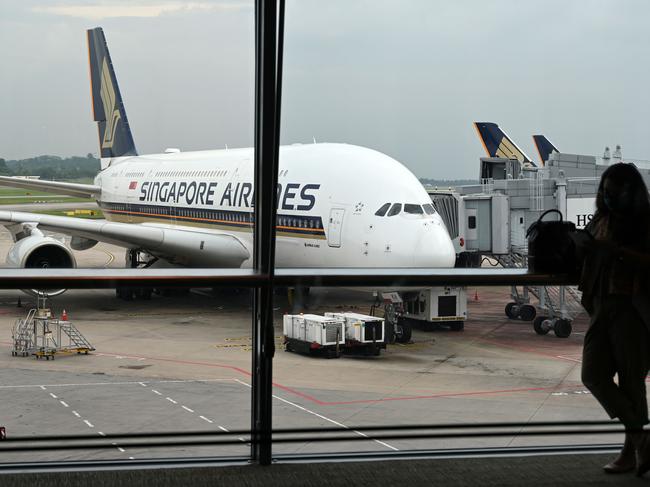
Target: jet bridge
(488, 221)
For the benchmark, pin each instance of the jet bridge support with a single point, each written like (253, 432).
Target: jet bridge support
(487, 222)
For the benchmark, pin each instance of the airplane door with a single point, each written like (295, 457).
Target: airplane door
(335, 226)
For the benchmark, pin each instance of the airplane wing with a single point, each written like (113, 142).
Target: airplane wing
(185, 246)
(58, 187)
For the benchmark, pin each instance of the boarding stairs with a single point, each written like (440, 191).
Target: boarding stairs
(76, 340)
(22, 335)
(41, 335)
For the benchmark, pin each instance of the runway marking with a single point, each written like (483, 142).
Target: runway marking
(171, 400)
(188, 409)
(206, 419)
(524, 349)
(111, 257)
(88, 423)
(293, 391)
(306, 396)
(25, 386)
(341, 425)
(563, 357)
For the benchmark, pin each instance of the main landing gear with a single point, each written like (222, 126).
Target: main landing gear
(136, 259)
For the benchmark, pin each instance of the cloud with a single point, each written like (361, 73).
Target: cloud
(115, 10)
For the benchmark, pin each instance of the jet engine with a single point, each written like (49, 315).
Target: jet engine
(38, 251)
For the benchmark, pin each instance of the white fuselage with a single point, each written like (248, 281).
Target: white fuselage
(328, 195)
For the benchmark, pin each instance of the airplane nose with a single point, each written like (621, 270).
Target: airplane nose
(434, 248)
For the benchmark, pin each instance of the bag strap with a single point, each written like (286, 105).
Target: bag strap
(550, 211)
(539, 221)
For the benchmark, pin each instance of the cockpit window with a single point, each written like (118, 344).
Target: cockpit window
(382, 211)
(395, 210)
(428, 209)
(413, 209)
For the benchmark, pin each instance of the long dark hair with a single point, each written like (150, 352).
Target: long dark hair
(631, 226)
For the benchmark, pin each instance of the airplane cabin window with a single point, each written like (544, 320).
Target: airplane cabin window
(428, 209)
(395, 210)
(413, 209)
(382, 211)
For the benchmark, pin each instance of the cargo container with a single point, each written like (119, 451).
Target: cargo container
(314, 334)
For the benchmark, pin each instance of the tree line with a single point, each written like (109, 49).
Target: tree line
(444, 183)
(52, 167)
(78, 167)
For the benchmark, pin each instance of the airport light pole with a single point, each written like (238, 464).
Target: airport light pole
(269, 27)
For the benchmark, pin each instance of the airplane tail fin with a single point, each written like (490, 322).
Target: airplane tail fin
(544, 147)
(498, 144)
(115, 139)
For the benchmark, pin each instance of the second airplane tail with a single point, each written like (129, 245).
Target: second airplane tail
(544, 147)
(115, 139)
(498, 144)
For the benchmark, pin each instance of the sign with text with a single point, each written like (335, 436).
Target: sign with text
(580, 210)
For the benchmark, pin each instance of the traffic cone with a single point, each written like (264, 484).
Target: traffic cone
(476, 298)
(64, 316)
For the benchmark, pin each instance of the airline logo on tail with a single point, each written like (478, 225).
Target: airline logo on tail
(107, 93)
(115, 139)
(544, 147)
(498, 144)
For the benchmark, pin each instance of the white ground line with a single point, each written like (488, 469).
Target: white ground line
(89, 423)
(53, 395)
(111, 257)
(570, 358)
(326, 418)
(156, 392)
(65, 404)
(101, 433)
(43, 386)
(171, 400)
(76, 414)
(188, 409)
(206, 419)
(142, 384)
(223, 429)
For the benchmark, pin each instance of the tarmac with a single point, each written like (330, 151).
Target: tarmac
(182, 364)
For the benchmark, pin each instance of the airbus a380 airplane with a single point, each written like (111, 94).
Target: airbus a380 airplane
(338, 205)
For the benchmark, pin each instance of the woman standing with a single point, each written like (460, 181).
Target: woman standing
(615, 286)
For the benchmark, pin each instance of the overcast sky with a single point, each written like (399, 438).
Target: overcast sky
(404, 77)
